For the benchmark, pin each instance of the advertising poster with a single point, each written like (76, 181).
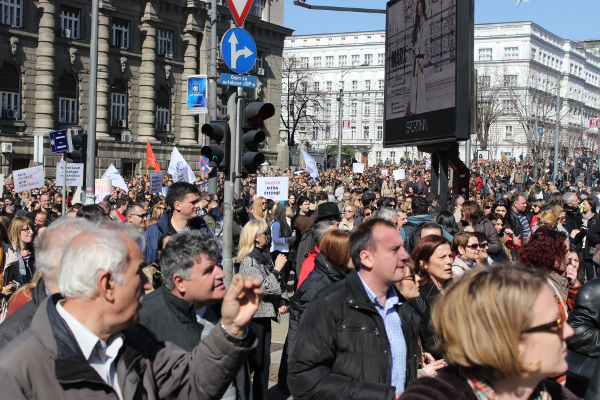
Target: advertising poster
(196, 95)
(346, 126)
(28, 178)
(594, 123)
(74, 174)
(420, 70)
(273, 188)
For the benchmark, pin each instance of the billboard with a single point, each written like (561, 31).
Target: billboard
(196, 95)
(428, 71)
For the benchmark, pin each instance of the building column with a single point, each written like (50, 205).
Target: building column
(188, 131)
(44, 78)
(103, 86)
(147, 105)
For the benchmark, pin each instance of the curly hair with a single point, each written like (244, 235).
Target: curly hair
(544, 250)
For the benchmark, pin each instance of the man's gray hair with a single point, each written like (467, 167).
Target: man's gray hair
(11, 209)
(180, 253)
(105, 250)
(569, 197)
(50, 245)
(385, 213)
(320, 228)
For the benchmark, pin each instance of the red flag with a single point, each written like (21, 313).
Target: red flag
(150, 159)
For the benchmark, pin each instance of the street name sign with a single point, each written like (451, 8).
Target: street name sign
(60, 141)
(238, 50)
(238, 80)
(240, 9)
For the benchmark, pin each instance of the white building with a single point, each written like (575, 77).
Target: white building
(512, 58)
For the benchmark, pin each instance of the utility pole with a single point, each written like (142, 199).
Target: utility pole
(340, 100)
(557, 132)
(212, 89)
(238, 142)
(90, 172)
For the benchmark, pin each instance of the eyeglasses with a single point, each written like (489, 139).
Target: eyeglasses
(549, 327)
(26, 229)
(474, 246)
(487, 207)
(142, 216)
(483, 245)
(410, 277)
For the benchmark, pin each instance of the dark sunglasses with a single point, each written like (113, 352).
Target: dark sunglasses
(553, 327)
(487, 207)
(474, 246)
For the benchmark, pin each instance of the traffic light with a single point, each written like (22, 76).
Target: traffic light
(254, 115)
(79, 153)
(218, 152)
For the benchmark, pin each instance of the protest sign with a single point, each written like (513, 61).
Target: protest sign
(181, 175)
(74, 174)
(28, 178)
(384, 173)
(156, 182)
(202, 186)
(165, 190)
(103, 189)
(358, 168)
(399, 174)
(273, 188)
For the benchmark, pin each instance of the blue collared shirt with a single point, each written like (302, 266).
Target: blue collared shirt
(393, 329)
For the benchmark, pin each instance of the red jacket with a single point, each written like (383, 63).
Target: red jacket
(308, 265)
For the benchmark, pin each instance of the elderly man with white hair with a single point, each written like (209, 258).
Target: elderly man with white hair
(88, 345)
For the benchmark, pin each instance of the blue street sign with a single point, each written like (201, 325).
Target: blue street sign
(539, 131)
(59, 141)
(238, 80)
(238, 50)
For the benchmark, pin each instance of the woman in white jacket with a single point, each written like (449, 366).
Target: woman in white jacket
(281, 235)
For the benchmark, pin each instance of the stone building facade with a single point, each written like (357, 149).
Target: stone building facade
(146, 49)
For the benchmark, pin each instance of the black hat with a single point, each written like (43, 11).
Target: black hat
(327, 209)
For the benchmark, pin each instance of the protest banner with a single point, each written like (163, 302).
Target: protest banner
(74, 174)
(358, 168)
(399, 174)
(28, 178)
(181, 175)
(202, 186)
(156, 182)
(103, 188)
(274, 188)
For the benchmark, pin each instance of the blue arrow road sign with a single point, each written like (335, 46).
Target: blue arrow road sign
(238, 50)
(246, 81)
(59, 141)
(539, 131)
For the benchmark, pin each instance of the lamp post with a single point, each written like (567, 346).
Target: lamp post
(340, 100)
(557, 132)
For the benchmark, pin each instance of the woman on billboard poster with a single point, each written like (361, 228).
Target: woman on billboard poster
(421, 41)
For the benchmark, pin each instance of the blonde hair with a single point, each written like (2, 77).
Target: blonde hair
(279, 215)
(158, 210)
(479, 320)
(289, 213)
(257, 210)
(251, 230)
(547, 218)
(14, 231)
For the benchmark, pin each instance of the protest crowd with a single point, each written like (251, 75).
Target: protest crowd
(389, 294)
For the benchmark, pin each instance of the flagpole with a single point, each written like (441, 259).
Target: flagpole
(529, 12)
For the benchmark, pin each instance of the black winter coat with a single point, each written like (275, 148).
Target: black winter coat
(585, 320)
(324, 274)
(341, 348)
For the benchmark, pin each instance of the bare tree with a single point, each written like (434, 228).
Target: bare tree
(490, 89)
(302, 99)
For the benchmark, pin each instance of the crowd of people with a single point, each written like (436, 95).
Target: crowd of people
(389, 294)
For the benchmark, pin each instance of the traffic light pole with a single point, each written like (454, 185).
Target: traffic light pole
(238, 141)
(230, 174)
(90, 161)
(64, 204)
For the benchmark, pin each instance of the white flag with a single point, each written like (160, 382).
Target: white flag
(521, 1)
(311, 164)
(178, 163)
(113, 175)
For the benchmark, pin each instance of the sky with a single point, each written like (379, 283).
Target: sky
(569, 19)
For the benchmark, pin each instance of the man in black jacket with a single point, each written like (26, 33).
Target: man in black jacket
(187, 307)
(351, 340)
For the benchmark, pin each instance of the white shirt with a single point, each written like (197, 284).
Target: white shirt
(278, 243)
(98, 355)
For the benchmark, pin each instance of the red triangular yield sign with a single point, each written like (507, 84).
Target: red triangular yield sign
(239, 9)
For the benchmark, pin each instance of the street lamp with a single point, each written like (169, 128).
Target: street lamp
(340, 100)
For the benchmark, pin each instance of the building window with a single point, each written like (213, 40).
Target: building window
(368, 59)
(118, 117)
(380, 58)
(69, 22)
(380, 133)
(508, 132)
(355, 59)
(304, 62)
(317, 86)
(353, 131)
(260, 61)
(353, 108)
(342, 60)
(67, 99)
(223, 110)
(329, 61)
(317, 62)
(120, 31)
(381, 84)
(378, 157)
(392, 155)
(380, 109)
(485, 81)
(329, 86)
(511, 53)
(12, 12)
(327, 108)
(367, 85)
(366, 132)
(510, 80)
(485, 54)
(10, 91)
(165, 43)
(508, 107)
(315, 133)
(354, 86)
(257, 8)
(367, 108)
(163, 110)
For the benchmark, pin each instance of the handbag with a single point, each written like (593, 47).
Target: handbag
(581, 367)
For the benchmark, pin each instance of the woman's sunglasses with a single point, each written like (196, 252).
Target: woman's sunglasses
(553, 327)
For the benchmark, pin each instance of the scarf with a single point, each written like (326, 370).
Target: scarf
(561, 283)
(263, 256)
(484, 391)
(470, 263)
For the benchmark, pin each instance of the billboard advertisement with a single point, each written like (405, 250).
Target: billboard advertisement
(196, 95)
(424, 70)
